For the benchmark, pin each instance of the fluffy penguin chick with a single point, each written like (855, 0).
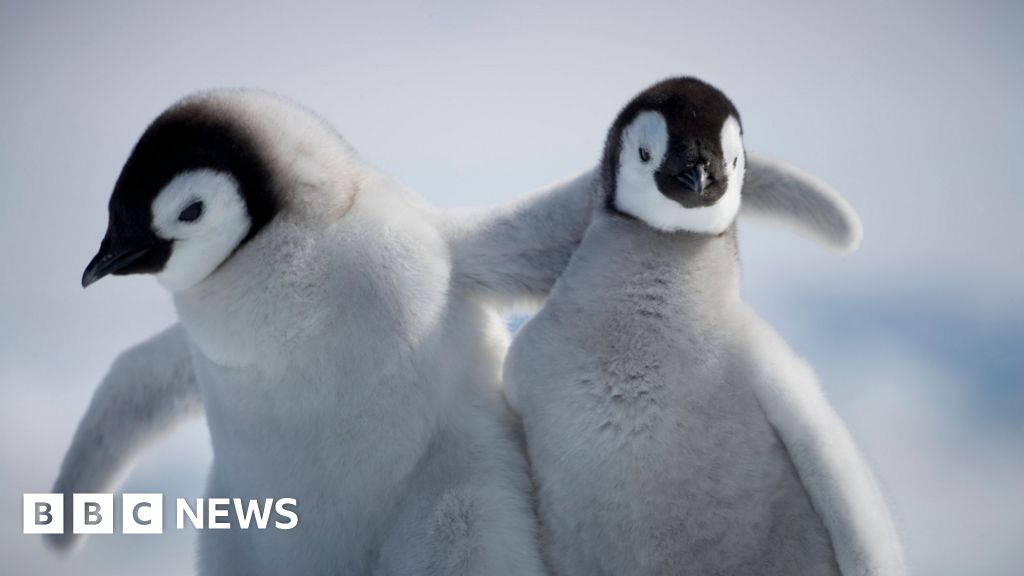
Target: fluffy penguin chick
(315, 296)
(669, 430)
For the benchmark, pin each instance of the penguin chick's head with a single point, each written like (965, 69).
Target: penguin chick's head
(674, 158)
(194, 189)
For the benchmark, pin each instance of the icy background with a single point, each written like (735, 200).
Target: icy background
(912, 110)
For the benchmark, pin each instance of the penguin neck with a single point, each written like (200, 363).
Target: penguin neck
(702, 269)
(251, 308)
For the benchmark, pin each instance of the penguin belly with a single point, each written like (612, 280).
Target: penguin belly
(641, 474)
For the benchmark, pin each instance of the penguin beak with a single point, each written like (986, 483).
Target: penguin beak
(694, 179)
(107, 261)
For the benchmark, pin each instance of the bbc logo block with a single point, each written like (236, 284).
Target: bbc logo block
(43, 513)
(142, 513)
(93, 513)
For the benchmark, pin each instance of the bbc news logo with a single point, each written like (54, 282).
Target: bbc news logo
(144, 513)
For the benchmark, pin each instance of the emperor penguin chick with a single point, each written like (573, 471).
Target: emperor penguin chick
(315, 298)
(669, 430)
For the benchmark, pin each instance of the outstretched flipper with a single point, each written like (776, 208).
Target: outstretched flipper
(149, 389)
(839, 483)
(513, 254)
(782, 193)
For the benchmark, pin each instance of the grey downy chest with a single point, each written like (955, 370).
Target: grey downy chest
(651, 453)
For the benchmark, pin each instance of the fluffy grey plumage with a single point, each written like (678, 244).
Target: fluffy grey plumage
(323, 347)
(149, 390)
(669, 430)
(800, 200)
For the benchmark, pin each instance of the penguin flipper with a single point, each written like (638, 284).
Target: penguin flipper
(833, 472)
(778, 191)
(149, 389)
(513, 254)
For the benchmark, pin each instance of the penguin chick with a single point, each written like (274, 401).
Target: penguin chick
(669, 430)
(314, 295)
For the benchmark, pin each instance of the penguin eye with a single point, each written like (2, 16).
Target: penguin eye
(192, 212)
(645, 156)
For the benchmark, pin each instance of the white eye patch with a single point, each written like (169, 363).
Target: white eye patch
(637, 191)
(732, 149)
(203, 236)
(646, 135)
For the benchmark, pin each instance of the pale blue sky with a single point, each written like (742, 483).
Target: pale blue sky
(912, 110)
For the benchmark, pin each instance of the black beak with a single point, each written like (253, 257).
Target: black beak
(695, 178)
(107, 262)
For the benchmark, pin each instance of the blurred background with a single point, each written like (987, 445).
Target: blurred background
(912, 110)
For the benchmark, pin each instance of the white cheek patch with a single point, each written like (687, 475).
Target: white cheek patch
(650, 132)
(735, 169)
(637, 192)
(199, 247)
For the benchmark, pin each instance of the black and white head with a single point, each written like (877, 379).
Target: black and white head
(196, 188)
(674, 158)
